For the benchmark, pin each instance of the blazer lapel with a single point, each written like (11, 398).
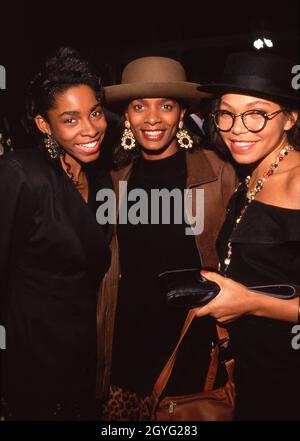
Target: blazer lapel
(199, 170)
(83, 219)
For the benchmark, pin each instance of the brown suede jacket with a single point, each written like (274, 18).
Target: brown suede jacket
(204, 170)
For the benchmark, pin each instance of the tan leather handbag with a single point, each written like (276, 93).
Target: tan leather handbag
(209, 405)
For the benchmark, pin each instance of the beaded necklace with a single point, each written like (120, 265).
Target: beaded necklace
(251, 194)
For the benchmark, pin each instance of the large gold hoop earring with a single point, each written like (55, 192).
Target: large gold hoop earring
(184, 139)
(127, 140)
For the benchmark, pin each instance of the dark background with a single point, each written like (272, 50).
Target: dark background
(199, 34)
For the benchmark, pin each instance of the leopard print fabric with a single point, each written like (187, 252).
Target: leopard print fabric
(123, 405)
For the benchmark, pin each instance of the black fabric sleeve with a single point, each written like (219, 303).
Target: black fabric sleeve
(17, 212)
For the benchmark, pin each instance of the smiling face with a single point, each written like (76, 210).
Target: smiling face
(76, 122)
(247, 147)
(154, 123)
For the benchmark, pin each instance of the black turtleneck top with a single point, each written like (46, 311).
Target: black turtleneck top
(146, 329)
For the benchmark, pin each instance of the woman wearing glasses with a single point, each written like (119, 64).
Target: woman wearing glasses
(256, 117)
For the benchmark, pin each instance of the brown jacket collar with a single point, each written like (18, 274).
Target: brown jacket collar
(198, 172)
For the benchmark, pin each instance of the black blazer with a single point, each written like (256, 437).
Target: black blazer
(53, 255)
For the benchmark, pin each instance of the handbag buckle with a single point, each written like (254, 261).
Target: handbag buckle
(225, 350)
(224, 342)
(172, 406)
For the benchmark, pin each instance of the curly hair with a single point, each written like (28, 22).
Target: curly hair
(65, 69)
(293, 135)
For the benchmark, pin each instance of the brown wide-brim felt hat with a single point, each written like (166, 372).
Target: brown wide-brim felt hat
(154, 77)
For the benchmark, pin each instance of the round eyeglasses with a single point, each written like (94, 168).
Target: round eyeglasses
(253, 120)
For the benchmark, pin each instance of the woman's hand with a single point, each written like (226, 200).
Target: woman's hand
(233, 301)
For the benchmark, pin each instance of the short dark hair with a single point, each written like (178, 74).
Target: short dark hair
(65, 69)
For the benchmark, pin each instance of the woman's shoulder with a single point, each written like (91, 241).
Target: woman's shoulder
(289, 191)
(215, 159)
(221, 166)
(21, 158)
(293, 186)
(121, 174)
(24, 165)
(14, 163)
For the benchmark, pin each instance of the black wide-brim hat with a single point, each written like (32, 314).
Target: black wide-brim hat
(261, 74)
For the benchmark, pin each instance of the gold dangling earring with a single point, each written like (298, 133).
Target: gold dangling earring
(52, 147)
(127, 140)
(184, 139)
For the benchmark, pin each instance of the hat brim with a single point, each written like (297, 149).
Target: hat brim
(218, 89)
(181, 90)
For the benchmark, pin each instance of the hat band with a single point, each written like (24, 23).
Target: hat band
(259, 84)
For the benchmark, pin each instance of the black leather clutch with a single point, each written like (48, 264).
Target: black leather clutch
(188, 289)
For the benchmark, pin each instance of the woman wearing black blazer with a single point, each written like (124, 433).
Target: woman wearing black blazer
(53, 253)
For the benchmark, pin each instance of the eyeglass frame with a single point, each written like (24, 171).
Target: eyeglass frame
(267, 116)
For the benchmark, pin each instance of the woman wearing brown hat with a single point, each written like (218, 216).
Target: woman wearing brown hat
(137, 329)
(256, 117)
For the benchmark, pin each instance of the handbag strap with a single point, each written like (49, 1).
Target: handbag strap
(165, 374)
(223, 342)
